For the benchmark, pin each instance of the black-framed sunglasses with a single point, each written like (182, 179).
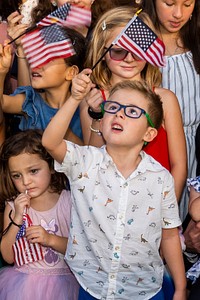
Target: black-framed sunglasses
(131, 111)
(120, 54)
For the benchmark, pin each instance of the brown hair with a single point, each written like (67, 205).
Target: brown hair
(189, 33)
(28, 141)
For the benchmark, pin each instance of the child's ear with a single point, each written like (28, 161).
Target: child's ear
(71, 72)
(150, 134)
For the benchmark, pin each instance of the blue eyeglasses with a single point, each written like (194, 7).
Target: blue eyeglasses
(131, 111)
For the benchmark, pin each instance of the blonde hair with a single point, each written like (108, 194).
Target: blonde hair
(114, 18)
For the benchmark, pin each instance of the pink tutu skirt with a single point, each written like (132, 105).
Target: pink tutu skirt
(18, 285)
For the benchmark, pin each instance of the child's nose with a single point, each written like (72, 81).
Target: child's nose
(177, 12)
(129, 57)
(120, 113)
(26, 180)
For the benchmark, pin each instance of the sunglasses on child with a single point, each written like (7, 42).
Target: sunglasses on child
(131, 111)
(120, 54)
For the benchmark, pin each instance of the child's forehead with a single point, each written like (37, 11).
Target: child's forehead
(25, 157)
(114, 32)
(130, 95)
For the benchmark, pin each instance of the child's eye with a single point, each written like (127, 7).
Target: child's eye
(112, 107)
(34, 171)
(133, 111)
(169, 3)
(188, 4)
(15, 176)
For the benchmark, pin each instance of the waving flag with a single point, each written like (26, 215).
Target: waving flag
(24, 251)
(49, 39)
(45, 44)
(68, 15)
(139, 39)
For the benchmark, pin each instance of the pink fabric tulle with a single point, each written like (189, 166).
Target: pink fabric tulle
(22, 286)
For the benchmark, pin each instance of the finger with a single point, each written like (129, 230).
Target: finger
(7, 50)
(12, 15)
(1, 49)
(14, 19)
(96, 92)
(86, 71)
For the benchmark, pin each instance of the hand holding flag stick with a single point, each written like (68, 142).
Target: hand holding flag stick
(25, 32)
(139, 39)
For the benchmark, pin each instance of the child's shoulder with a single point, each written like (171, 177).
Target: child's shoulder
(151, 163)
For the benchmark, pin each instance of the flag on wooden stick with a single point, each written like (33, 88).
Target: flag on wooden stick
(68, 15)
(45, 44)
(49, 39)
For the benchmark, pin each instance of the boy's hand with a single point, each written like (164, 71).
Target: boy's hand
(5, 58)
(81, 85)
(94, 99)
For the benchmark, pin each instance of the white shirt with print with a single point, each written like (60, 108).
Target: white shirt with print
(116, 224)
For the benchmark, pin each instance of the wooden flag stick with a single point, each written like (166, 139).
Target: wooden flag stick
(26, 31)
(98, 61)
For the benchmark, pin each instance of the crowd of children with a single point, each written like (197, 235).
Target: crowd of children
(99, 179)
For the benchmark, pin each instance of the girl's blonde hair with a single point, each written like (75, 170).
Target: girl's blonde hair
(114, 18)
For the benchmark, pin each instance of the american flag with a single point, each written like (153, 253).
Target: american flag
(139, 39)
(24, 251)
(45, 44)
(68, 15)
(48, 41)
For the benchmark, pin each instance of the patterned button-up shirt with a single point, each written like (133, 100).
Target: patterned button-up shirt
(117, 223)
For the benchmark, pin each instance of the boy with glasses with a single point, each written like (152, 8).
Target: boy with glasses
(124, 205)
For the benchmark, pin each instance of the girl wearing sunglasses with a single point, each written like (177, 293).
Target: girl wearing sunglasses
(118, 65)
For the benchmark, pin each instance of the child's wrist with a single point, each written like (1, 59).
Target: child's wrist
(50, 241)
(20, 53)
(95, 127)
(95, 115)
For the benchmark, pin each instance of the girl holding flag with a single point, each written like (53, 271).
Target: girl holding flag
(36, 222)
(118, 65)
(35, 105)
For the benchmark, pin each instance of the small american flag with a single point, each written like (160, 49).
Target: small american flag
(24, 251)
(68, 15)
(139, 39)
(45, 44)
(48, 41)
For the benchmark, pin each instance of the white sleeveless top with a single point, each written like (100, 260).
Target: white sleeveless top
(179, 76)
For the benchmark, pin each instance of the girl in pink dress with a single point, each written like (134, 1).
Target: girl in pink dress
(32, 186)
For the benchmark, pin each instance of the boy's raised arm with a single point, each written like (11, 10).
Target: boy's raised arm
(53, 135)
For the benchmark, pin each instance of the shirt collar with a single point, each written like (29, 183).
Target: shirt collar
(148, 163)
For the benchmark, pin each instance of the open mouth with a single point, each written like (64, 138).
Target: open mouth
(35, 74)
(117, 127)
